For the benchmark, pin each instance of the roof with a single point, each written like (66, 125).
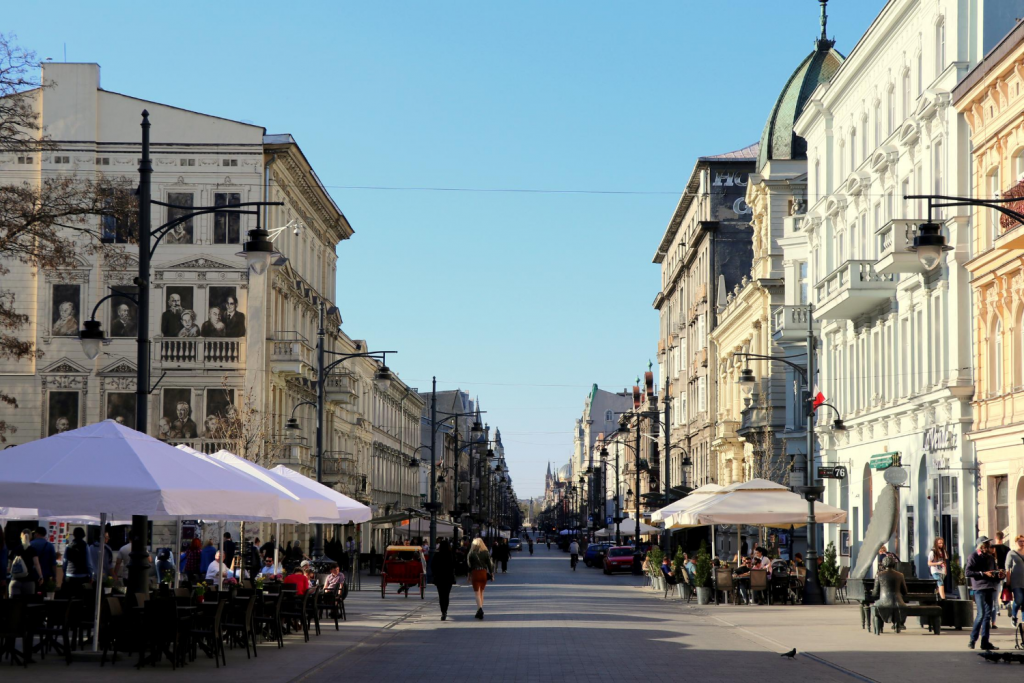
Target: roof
(778, 140)
(748, 153)
(992, 60)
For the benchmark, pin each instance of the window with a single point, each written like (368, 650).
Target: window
(103, 161)
(62, 160)
(121, 229)
(865, 243)
(904, 191)
(1001, 498)
(937, 164)
(842, 159)
(906, 94)
(226, 224)
(25, 160)
(609, 416)
(702, 395)
(940, 47)
(229, 162)
(891, 98)
(1018, 165)
(864, 139)
(181, 234)
(995, 192)
(186, 162)
(802, 281)
(995, 346)
(890, 205)
(817, 179)
(920, 74)
(853, 149)
(878, 124)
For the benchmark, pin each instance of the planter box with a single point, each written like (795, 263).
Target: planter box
(957, 613)
(703, 596)
(965, 592)
(829, 594)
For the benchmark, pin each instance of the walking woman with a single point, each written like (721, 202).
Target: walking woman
(1015, 577)
(938, 564)
(442, 569)
(481, 569)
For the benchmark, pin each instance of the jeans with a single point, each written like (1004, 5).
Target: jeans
(983, 600)
(995, 602)
(1018, 602)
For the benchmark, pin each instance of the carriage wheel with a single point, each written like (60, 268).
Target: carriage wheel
(423, 585)
(383, 585)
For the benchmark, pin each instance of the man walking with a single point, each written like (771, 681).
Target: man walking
(985, 578)
(999, 550)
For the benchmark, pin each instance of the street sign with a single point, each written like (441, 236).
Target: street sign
(897, 476)
(836, 472)
(608, 520)
(884, 461)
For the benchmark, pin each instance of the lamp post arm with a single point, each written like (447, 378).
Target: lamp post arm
(375, 355)
(938, 201)
(298, 405)
(130, 297)
(779, 359)
(166, 227)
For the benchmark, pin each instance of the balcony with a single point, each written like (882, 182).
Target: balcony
(341, 470)
(291, 354)
(198, 353)
(789, 323)
(340, 389)
(1011, 234)
(894, 240)
(851, 290)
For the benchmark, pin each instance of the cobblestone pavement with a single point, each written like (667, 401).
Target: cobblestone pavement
(546, 623)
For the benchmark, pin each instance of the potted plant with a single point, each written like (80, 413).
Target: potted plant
(959, 578)
(828, 574)
(258, 583)
(108, 585)
(50, 588)
(231, 585)
(678, 569)
(654, 569)
(200, 591)
(702, 575)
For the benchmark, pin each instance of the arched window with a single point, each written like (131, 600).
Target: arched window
(1002, 504)
(940, 47)
(891, 97)
(1018, 351)
(995, 359)
(609, 416)
(1018, 165)
(853, 149)
(906, 94)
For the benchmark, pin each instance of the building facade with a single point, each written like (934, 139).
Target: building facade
(880, 130)
(705, 250)
(990, 100)
(234, 351)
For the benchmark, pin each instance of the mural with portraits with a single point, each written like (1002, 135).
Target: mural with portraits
(221, 415)
(124, 314)
(65, 308)
(62, 411)
(121, 408)
(224, 319)
(176, 421)
(178, 301)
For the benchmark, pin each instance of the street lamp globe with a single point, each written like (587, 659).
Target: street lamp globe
(92, 339)
(258, 250)
(929, 243)
(383, 378)
(293, 424)
(747, 382)
(838, 425)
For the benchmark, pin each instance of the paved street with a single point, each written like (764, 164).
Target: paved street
(546, 623)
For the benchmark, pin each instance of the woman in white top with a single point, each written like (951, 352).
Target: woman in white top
(938, 564)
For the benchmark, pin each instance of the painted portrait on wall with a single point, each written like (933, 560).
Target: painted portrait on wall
(62, 415)
(124, 314)
(177, 300)
(225, 299)
(121, 407)
(181, 233)
(221, 415)
(66, 308)
(176, 421)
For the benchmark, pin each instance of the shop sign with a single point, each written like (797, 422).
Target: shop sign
(939, 438)
(885, 460)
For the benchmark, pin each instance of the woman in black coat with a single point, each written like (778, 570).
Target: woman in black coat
(442, 569)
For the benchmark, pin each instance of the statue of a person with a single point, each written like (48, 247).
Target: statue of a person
(890, 594)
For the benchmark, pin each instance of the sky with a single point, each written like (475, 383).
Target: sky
(536, 152)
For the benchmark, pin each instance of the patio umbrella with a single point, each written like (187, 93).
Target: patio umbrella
(696, 496)
(627, 527)
(757, 502)
(349, 511)
(420, 527)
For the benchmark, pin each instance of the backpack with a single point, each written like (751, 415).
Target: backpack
(19, 570)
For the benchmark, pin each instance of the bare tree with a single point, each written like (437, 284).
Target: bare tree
(767, 462)
(44, 225)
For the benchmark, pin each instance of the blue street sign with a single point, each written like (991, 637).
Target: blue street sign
(608, 520)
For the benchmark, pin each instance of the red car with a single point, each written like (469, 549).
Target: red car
(618, 559)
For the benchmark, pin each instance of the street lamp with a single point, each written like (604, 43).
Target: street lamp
(92, 335)
(747, 382)
(929, 243)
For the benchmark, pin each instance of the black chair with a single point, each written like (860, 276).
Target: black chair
(164, 632)
(212, 635)
(13, 625)
(269, 618)
(333, 602)
(313, 611)
(296, 609)
(240, 623)
(116, 630)
(57, 624)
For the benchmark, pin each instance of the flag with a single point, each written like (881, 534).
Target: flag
(817, 401)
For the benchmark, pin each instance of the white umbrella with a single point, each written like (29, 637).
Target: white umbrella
(348, 511)
(757, 502)
(421, 527)
(627, 527)
(693, 498)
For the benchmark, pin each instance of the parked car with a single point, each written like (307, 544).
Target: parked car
(619, 558)
(594, 557)
(515, 544)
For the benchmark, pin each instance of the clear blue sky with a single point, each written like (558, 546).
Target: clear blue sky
(514, 95)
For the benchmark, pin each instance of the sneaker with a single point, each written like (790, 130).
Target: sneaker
(994, 626)
(480, 613)
(971, 644)
(444, 616)
(988, 646)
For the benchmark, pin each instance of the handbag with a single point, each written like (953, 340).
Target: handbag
(1007, 595)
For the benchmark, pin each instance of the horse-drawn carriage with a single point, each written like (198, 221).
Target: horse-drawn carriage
(404, 565)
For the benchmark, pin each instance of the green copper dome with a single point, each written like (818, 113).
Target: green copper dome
(778, 141)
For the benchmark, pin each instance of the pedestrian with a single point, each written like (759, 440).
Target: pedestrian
(78, 568)
(481, 570)
(1000, 551)
(164, 565)
(207, 556)
(267, 549)
(46, 553)
(442, 570)
(26, 572)
(228, 549)
(1015, 577)
(529, 542)
(985, 578)
(502, 554)
(938, 564)
(193, 558)
(108, 555)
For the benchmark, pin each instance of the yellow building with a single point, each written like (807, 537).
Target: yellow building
(991, 98)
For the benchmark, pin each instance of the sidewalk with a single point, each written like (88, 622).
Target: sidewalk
(831, 636)
(368, 616)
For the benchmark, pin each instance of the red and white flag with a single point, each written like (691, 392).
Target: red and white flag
(818, 400)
